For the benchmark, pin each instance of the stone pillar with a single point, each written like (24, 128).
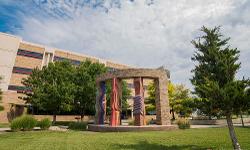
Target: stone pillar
(162, 102)
(139, 107)
(100, 103)
(115, 107)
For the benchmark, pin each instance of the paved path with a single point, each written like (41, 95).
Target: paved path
(4, 129)
(192, 126)
(217, 126)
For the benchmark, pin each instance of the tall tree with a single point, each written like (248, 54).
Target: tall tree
(51, 88)
(214, 76)
(85, 81)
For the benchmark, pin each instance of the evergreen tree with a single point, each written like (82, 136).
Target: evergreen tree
(214, 77)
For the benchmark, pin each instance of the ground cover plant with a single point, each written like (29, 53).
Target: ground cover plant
(208, 138)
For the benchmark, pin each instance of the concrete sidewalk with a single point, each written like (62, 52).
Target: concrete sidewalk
(55, 128)
(217, 126)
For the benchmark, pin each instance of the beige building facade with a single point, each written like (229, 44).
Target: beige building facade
(18, 58)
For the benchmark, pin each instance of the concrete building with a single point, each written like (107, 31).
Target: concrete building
(18, 58)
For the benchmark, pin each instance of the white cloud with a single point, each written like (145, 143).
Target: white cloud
(140, 34)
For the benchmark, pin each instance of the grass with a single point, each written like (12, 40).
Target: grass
(209, 138)
(4, 125)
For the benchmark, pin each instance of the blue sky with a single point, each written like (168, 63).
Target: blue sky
(143, 33)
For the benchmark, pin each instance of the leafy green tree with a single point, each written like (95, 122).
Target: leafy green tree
(1, 107)
(179, 99)
(150, 100)
(214, 77)
(85, 81)
(243, 99)
(52, 88)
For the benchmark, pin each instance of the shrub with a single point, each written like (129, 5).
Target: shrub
(16, 124)
(78, 126)
(25, 123)
(183, 123)
(44, 124)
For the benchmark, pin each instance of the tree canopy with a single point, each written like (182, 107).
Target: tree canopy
(52, 87)
(84, 79)
(61, 86)
(179, 99)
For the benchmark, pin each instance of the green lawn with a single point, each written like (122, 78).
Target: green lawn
(210, 138)
(4, 125)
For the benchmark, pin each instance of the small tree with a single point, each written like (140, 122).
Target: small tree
(150, 100)
(179, 99)
(85, 81)
(52, 88)
(214, 77)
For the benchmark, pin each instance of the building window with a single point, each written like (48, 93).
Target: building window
(110, 69)
(26, 53)
(74, 62)
(20, 70)
(18, 88)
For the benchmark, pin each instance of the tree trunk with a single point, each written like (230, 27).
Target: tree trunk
(173, 114)
(242, 121)
(234, 140)
(82, 115)
(54, 119)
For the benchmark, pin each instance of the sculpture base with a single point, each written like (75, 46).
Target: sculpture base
(107, 128)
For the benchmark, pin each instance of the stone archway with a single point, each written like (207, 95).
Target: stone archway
(160, 77)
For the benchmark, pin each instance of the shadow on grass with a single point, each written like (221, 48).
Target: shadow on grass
(144, 145)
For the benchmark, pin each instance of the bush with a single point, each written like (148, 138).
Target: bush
(25, 123)
(183, 123)
(78, 126)
(44, 124)
(16, 124)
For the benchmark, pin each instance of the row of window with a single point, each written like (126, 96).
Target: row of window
(26, 53)
(37, 55)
